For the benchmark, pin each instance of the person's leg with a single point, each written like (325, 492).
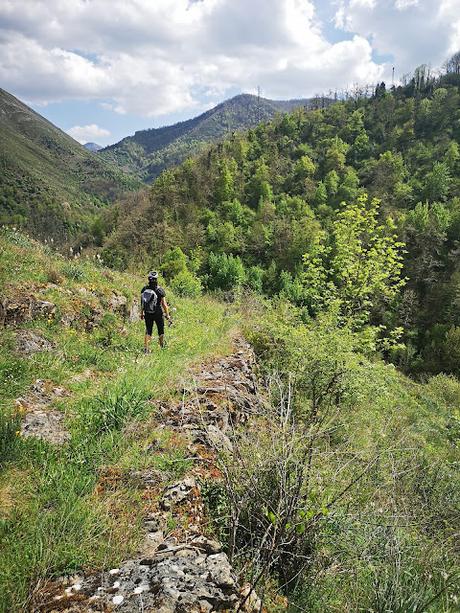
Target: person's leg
(159, 319)
(148, 331)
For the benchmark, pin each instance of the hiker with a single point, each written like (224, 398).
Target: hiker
(153, 306)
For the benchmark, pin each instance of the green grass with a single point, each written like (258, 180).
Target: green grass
(54, 516)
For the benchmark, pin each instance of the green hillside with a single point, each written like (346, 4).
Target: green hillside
(265, 210)
(149, 152)
(347, 468)
(295, 446)
(49, 183)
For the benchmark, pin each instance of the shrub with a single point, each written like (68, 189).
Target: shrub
(226, 272)
(174, 262)
(254, 278)
(53, 276)
(186, 284)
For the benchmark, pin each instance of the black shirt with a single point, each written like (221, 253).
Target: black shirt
(159, 291)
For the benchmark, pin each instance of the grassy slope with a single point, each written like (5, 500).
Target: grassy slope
(389, 542)
(148, 152)
(54, 518)
(47, 179)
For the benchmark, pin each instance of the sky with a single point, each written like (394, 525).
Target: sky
(102, 69)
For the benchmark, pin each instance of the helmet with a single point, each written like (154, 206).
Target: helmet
(153, 276)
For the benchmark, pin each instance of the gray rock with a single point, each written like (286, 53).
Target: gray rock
(146, 478)
(218, 439)
(28, 342)
(177, 493)
(252, 603)
(209, 546)
(43, 308)
(118, 304)
(45, 425)
(18, 310)
(134, 312)
(170, 583)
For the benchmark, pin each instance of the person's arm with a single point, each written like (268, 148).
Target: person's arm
(142, 307)
(165, 307)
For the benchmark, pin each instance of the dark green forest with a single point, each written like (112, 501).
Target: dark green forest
(357, 203)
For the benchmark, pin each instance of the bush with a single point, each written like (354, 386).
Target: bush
(255, 278)
(186, 284)
(226, 272)
(346, 493)
(174, 262)
(53, 276)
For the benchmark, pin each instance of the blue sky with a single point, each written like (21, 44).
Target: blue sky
(102, 69)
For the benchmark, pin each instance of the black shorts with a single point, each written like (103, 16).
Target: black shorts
(158, 319)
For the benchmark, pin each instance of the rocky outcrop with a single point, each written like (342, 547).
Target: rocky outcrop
(118, 304)
(222, 394)
(134, 312)
(177, 493)
(83, 308)
(181, 577)
(24, 308)
(39, 419)
(28, 343)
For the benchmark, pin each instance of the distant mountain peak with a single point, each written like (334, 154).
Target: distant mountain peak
(148, 152)
(92, 147)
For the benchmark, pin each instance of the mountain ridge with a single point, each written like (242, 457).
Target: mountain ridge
(147, 152)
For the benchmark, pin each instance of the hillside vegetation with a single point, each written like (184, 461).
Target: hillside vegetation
(341, 492)
(326, 467)
(89, 368)
(149, 152)
(49, 183)
(264, 209)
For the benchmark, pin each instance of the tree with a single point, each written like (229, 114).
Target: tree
(336, 155)
(437, 182)
(361, 267)
(226, 180)
(174, 262)
(452, 66)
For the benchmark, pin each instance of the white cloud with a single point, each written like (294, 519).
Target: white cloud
(413, 32)
(154, 57)
(89, 133)
(404, 4)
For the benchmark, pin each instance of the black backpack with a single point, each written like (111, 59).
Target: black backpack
(149, 300)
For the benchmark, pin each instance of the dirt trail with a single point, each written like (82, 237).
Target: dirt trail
(185, 571)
